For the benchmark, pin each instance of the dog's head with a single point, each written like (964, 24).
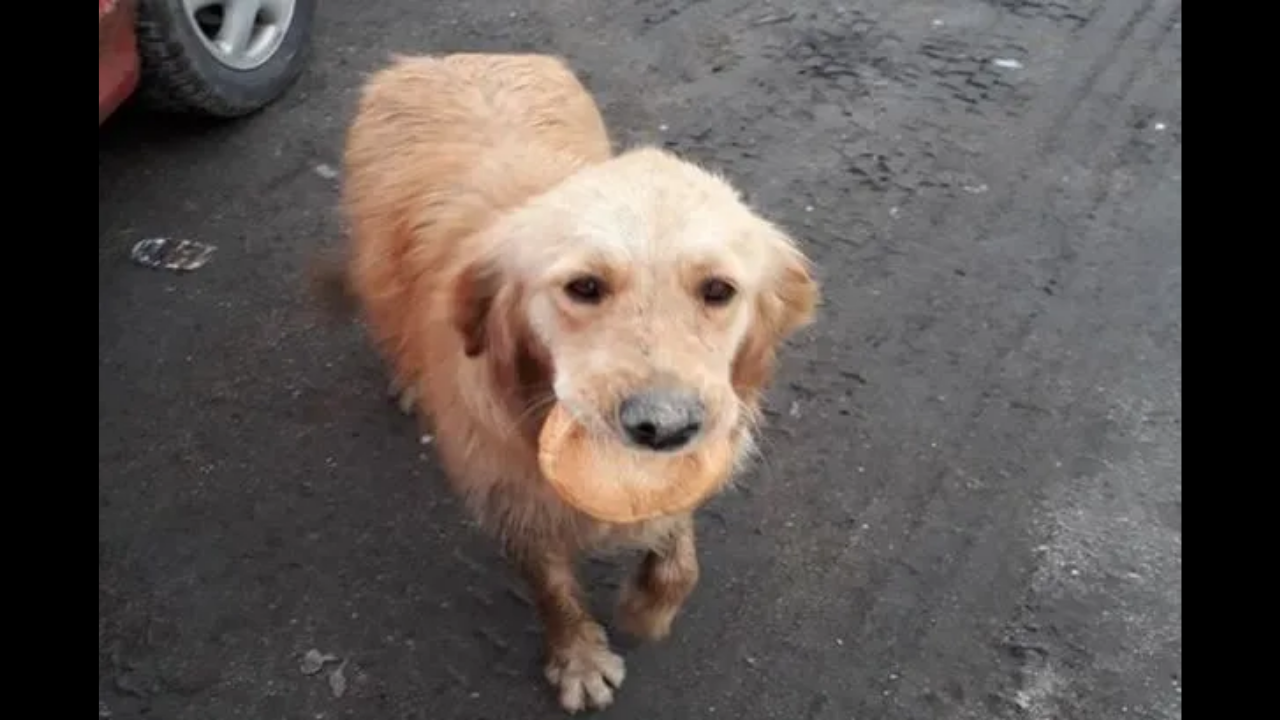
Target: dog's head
(642, 294)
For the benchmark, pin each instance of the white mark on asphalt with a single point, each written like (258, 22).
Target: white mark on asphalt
(1036, 698)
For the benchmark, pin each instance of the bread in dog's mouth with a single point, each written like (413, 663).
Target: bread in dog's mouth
(616, 483)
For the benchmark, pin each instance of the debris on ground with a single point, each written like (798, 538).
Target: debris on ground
(314, 661)
(338, 681)
(168, 254)
(774, 19)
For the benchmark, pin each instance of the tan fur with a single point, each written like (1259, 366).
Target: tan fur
(476, 187)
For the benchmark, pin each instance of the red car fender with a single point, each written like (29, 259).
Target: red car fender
(117, 55)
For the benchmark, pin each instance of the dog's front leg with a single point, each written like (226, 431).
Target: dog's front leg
(660, 586)
(579, 663)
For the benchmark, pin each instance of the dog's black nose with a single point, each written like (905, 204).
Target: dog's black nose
(662, 419)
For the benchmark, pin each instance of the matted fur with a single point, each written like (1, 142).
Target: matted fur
(475, 187)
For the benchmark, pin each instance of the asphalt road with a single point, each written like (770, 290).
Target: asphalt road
(972, 506)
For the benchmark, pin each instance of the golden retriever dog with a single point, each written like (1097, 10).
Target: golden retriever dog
(504, 259)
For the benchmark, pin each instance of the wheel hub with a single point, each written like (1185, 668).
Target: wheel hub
(241, 34)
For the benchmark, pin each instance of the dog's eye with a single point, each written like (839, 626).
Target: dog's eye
(586, 289)
(717, 292)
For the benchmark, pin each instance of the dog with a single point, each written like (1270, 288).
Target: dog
(504, 258)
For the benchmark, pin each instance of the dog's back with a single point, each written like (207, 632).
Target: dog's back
(440, 146)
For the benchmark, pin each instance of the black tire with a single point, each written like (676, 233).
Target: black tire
(181, 75)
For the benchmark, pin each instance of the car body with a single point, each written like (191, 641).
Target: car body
(118, 64)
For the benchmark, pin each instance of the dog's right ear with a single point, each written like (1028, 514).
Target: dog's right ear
(474, 293)
(487, 314)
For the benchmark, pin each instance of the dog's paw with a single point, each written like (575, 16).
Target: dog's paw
(643, 617)
(406, 397)
(585, 674)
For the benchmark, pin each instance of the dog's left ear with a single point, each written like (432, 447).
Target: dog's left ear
(787, 302)
(790, 300)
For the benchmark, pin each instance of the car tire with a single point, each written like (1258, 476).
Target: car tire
(185, 71)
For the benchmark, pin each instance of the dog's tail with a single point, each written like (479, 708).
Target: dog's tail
(330, 286)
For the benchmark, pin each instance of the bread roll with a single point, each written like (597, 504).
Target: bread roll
(618, 484)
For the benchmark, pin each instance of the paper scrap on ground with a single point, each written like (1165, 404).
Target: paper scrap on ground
(168, 254)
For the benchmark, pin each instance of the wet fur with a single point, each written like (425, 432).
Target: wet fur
(446, 164)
